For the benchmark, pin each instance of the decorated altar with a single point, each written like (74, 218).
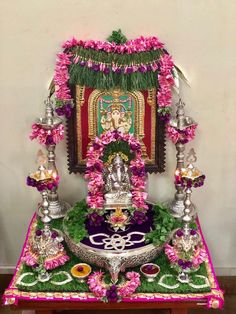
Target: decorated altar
(115, 245)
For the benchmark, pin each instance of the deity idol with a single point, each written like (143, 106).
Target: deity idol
(117, 184)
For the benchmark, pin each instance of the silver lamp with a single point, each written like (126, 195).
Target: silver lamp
(57, 207)
(180, 123)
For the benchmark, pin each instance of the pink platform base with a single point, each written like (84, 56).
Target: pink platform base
(212, 299)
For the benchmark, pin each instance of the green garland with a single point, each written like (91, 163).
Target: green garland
(116, 58)
(117, 147)
(164, 224)
(127, 82)
(74, 223)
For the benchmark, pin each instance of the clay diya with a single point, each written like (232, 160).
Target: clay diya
(81, 271)
(150, 271)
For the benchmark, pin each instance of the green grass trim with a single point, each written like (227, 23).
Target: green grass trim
(146, 287)
(85, 76)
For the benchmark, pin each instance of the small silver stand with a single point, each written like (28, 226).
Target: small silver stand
(181, 122)
(43, 275)
(57, 207)
(183, 277)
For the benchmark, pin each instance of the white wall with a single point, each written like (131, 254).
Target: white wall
(201, 37)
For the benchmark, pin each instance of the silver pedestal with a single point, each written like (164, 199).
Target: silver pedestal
(176, 208)
(180, 122)
(58, 208)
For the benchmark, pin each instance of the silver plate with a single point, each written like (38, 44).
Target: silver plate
(113, 261)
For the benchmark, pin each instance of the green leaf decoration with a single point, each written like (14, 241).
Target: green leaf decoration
(164, 224)
(74, 223)
(117, 37)
(117, 147)
(85, 76)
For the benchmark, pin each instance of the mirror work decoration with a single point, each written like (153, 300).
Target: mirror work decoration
(120, 84)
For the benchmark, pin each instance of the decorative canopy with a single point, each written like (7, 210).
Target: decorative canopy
(137, 64)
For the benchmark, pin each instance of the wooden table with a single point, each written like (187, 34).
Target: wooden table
(45, 307)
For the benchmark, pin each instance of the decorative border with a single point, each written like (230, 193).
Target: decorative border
(214, 299)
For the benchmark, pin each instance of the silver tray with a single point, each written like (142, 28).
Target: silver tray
(113, 261)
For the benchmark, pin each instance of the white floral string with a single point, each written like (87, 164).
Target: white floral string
(54, 282)
(116, 241)
(175, 286)
(161, 283)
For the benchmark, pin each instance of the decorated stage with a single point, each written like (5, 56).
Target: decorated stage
(62, 286)
(115, 249)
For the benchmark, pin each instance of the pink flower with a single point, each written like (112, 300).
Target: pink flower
(76, 59)
(58, 133)
(95, 284)
(60, 259)
(132, 46)
(183, 136)
(98, 288)
(42, 134)
(164, 96)
(200, 256)
(95, 201)
(170, 253)
(166, 64)
(138, 182)
(129, 287)
(61, 76)
(70, 43)
(172, 133)
(190, 132)
(138, 199)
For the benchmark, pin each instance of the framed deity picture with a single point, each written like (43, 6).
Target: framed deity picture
(97, 111)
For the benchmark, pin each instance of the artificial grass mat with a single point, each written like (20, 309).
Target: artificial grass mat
(145, 287)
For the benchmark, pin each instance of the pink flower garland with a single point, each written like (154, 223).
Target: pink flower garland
(130, 287)
(198, 257)
(31, 259)
(99, 288)
(94, 171)
(45, 136)
(61, 77)
(165, 81)
(140, 44)
(182, 136)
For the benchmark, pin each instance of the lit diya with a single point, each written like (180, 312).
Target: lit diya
(81, 271)
(150, 271)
